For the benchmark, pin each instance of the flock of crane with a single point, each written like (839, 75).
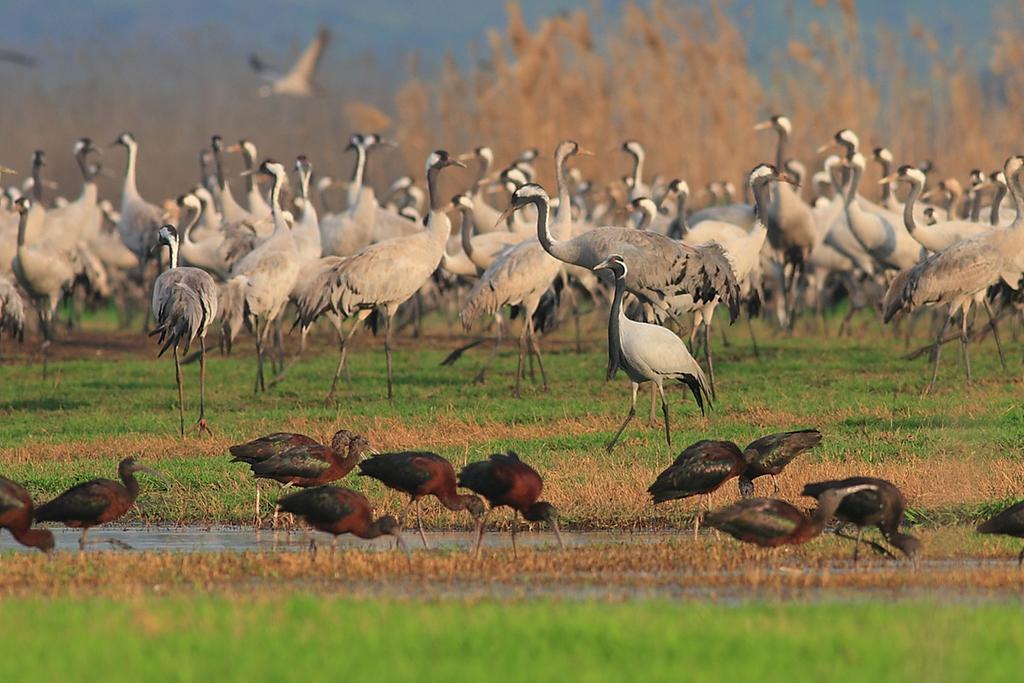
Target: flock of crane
(635, 244)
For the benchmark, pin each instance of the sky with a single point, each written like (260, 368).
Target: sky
(388, 30)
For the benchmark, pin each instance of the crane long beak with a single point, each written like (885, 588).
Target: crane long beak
(603, 264)
(233, 148)
(250, 172)
(8, 171)
(456, 162)
(887, 179)
(466, 156)
(787, 178)
(826, 147)
(763, 125)
(585, 153)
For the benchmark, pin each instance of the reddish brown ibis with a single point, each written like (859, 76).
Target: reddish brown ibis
(699, 470)
(770, 454)
(337, 511)
(881, 504)
(1009, 522)
(270, 445)
(16, 516)
(769, 522)
(419, 474)
(504, 479)
(96, 502)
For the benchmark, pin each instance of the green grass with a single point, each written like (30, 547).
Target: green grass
(312, 638)
(858, 391)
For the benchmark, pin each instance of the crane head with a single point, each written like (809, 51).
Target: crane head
(614, 263)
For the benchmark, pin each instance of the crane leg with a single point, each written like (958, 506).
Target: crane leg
(708, 360)
(343, 342)
(480, 533)
(995, 333)
(259, 358)
(522, 352)
(936, 351)
(387, 351)
(654, 402)
(479, 379)
(753, 338)
(201, 423)
(664, 411)
(963, 344)
(632, 413)
(419, 524)
(535, 345)
(181, 392)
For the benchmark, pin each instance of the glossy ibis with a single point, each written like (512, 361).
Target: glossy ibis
(504, 479)
(769, 522)
(1009, 522)
(337, 510)
(699, 470)
(270, 445)
(16, 516)
(770, 454)
(881, 504)
(419, 474)
(97, 501)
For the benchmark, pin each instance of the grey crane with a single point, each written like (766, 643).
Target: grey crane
(790, 223)
(261, 282)
(184, 307)
(383, 276)
(140, 220)
(647, 353)
(961, 275)
(258, 206)
(298, 81)
(520, 275)
(43, 273)
(12, 310)
(941, 235)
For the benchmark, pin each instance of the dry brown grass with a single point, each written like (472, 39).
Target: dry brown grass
(704, 567)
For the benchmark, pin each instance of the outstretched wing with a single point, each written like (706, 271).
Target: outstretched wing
(306, 65)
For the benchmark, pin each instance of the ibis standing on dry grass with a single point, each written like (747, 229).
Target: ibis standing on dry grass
(16, 516)
(97, 501)
(419, 474)
(184, 307)
(505, 480)
(1009, 522)
(699, 470)
(647, 353)
(770, 454)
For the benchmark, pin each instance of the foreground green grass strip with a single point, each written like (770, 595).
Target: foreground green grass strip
(307, 638)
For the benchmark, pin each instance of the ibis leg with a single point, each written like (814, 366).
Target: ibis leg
(81, 539)
(419, 525)
(515, 530)
(480, 533)
(632, 413)
(856, 545)
(1020, 558)
(181, 393)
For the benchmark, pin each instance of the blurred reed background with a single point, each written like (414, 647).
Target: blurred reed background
(679, 79)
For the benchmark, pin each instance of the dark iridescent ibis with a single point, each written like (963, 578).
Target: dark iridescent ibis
(1009, 522)
(699, 470)
(337, 511)
(419, 474)
(96, 502)
(312, 465)
(16, 516)
(881, 504)
(769, 522)
(770, 454)
(505, 480)
(270, 445)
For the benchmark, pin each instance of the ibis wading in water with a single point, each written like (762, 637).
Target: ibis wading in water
(1009, 522)
(97, 501)
(699, 470)
(337, 511)
(16, 516)
(420, 474)
(504, 479)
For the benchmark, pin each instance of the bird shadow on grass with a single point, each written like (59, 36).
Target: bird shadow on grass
(43, 403)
